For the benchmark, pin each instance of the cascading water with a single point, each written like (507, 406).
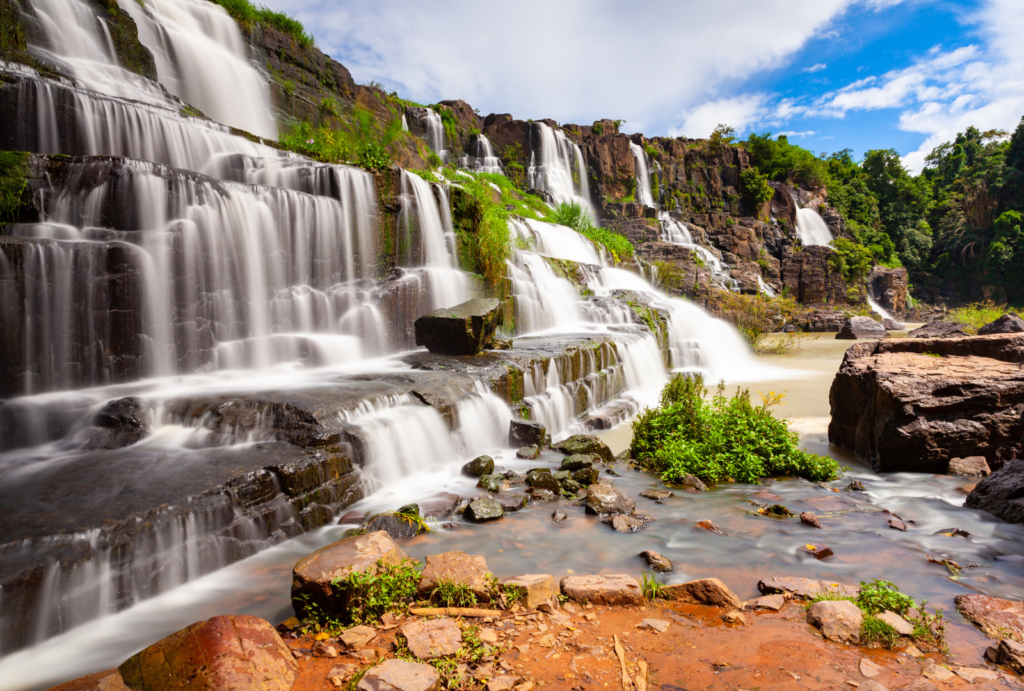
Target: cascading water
(435, 132)
(557, 167)
(483, 159)
(878, 309)
(643, 176)
(811, 228)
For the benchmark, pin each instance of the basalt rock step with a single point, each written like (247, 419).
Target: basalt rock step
(465, 329)
(916, 404)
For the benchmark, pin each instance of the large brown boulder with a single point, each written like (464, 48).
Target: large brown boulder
(1002, 493)
(1009, 323)
(861, 327)
(465, 329)
(617, 589)
(314, 575)
(916, 404)
(940, 329)
(996, 617)
(838, 620)
(220, 654)
(705, 591)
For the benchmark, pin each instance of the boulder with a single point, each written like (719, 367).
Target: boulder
(433, 638)
(526, 433)
(118, 424)
(1011, 654)
(107, 680)
(808, 518)
(576, 462)
(482, 509)
(395, 526)
(1007, 324)
(357, 637)
(770, 602)
(618, 589)
(226, 652)
(709, 526)
(439, 505)
(892, 325)
(871, 685)
(465, 329)
(605, 500)
(625, 524)
(838, 620)
(935, 672)
(339, 674)
(541, 478)
(996, 617)
(940, 329)
(400, 675)
(534, 589)
(972, 466)
(313, 575)
(511, 503)
(587, 476)
(586, 444)
(457, 567)
(705, 591)
(659, 625)
(491, 483)
(657, 562)
(861, 327)
(657, 494)
(692, 483)
(479, 466)
(1002, 493)
(818, 551)
(503, 682)
(911, 406)
(805, 588)
(528, 452)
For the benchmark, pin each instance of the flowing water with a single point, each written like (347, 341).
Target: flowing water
(811, 228)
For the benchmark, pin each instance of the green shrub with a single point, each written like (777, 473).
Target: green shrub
(977, 314)
(721, 439)
(13, 180)
(373, 594)
(449, 593)
(879, 596)
(756, 187)
(874, 630)
(576, 217)
(247, 14)
(485, 240)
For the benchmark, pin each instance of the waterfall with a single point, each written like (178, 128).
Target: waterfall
(557, 167)
(879, 310)
(435, 132)
(483, 159)
(643, 176)
(811, 228)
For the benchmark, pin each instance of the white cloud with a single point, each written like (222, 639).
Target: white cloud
(738, 111)
(798, 135)
(815, 68)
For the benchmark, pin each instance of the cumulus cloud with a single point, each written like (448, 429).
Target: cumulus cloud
(815, 68)
(738, 112)
(798, 135)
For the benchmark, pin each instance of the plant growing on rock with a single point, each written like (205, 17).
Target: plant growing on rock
(372, 594)
(875, 631)
(650, 586)
(721, 439)
(449, 593)
(13, 180)
(879, 596)
(576, 217)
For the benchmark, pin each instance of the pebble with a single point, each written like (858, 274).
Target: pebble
(735, 617)
(869, 669)
(340, 673)
(659, 625)
(936, 672)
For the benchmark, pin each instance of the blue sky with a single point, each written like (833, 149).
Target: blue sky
(858, 74)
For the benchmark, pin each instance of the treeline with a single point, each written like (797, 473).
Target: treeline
(956, 227)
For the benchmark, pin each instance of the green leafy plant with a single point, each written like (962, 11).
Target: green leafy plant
(449, 593)
(879, 596)
(247, 14)
(876, 631)
(650, 586)
(756, 187)
(371, 594)
(977, 314)
(576, 217)
(360, 140)
(930, 628)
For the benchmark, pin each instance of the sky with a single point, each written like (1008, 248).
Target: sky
(830, 74)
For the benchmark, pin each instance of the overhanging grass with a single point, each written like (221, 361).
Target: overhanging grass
(574, 216)
(247, 14)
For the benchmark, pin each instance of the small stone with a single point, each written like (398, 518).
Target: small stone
(839, 620)
(659, 625)
(458, 567)
(510, 503)
(481, 465)
(558, 516)
(692, 483)
(816, 551)
(894, 620)
(388, 618)
(605, 500)
(322, 650)
(657, 562)
(769, 602)
(870, 685)
(625, 524)
(586, 444)
(547, 641)
(855, 486)
(525, 686)
(541, 478)
(590, 616)
(365, 655)
(357, 637)
(340, 673)
(505, 682)
(869, 669)
(484, 509)
(400, 675)
(586, 476)
(912, 651)
(534, 589)
(972, 466)
(617, 589)
(710, 527)
(570, 608)
(734, 617)
(808, 518)
(488, 636)
(936, 672)
(657, 494)
(969, 674)
(491, 483)
(433, 638)
(897, 524)
(528, 452)
(919, 685)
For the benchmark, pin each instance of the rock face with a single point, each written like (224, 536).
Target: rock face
(603, 590)
(222, 653)
(811, 277)
(465, 329)
(839, 620)
(605, 500)
(526, 433)
(458, 567)
(313, 575)
(861, 327)
(586, 444)
(914, 405)
(1001, 494)
(997, 618)
(972, 466)
(889, 288)
(1006, 324)
(706, 591)
(1011, 654)
(400, 675)
(939, 329)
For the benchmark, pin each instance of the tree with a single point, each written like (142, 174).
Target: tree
(1005, 255)
(723, 134)
(902, 205)
(756, 188)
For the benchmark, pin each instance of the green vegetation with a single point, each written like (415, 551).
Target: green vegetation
(576, 217)
(723, 134)
(448, 120)
(756, 188)
(852, 260)
(247, 14)
(878, 596)
(481, 223)
(373, 594)
(721, 439)
(757, 318)
(650, 586)
(874, 631)
(362, 141)
(977, 314)
(448, 593)
(13, 180)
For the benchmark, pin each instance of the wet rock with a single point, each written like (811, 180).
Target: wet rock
(1011, 654)
(893, 325)
(935, 672)
(1007, 324)
(605, 500)
(586, 476)
(339, 674)
(119, 424)
(972, 674)
(816, 551)
(537, 494)
(526, 433)
(221, 653)
(810, 519)
(357, 637)
(457, 567)
(940, 329)
(657, 562)
(534, 589)
(558, 516)
(433, 638)
(769, 602)
(483, 509)
(972, 466)
(804, 588)
(838, 620)
(465, 329)
(314, 574)
(897, 524)
(491, 483)
(657, 494)
(861, 327)
(692, 483)
(541, 478)
(479, 466)
(704, 591)
(894, 620)
(576, 462)
(709, 526)
(735, 617)
(108, 680)
(400, 675)
(776, 511)
(1002, 493)
(659, 625)
(625, 524)
(510, 503)
(397, 527)
(855, 486)
(586, 444)
(868, 668)
(528, 452)
(996, 617)
(618, 589)
(439, 505)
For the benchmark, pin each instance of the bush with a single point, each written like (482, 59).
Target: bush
(247, 14)
(879, 596)
(757, 317)
(756, 187)
(977, 314)
(721, 439)
(485, 241)
(13, 179)
(373, 594)
(576, 217)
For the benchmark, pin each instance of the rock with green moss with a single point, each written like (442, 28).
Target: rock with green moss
(491, 483)
(481, 465)
(587, 476)
(542, 479)
(484, 509)
(576, 462)
(465, 329)
(586, 444)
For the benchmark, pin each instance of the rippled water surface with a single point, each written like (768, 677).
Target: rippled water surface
(853, 525)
